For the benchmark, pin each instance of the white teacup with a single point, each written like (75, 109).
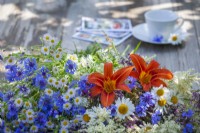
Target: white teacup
(162, 23)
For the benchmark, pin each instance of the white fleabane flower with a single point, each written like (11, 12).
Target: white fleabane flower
(7, 130)
(47, 37)
(175, 98)
(67, 106)
(161, 104)
(27, 105)
(55, 69)
(29, 113)
(63, 81)
(71, 92)
(73, 57)
(18, 102)
(124, 107)
(63, 130)
(45, 50)
(75, 121)
(51, 80)
(11, 60)
(30, 119)
(49, 124)
(66, 97)
(48, 92)
(64, 123)
(57, 84)
(175, 39)
(57, 56)
(34, 129)
(77, 100)
(53, 41)
(159, 92)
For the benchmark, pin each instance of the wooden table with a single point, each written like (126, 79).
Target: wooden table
(22, 25)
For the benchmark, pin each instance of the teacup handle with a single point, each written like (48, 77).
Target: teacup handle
(180, 24)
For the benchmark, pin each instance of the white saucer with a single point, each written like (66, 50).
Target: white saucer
(141, 32)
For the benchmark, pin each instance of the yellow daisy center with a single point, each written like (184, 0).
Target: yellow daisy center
(45, 49)
(65, 123)
(66, 105)
(75, 121)
(10, 60)
(77, 100)
(29, 113)
(57, 56)
(123, 109)
(70, 92)
(174, 99)
(63, 80)
(49, 91)
(50, 80)
(64, 131)
(148, 128)
(18, 101)
(86, 118)
(47, 37)
(30, 118)
(162, 102)
(160, 92)
(59, 49)
(27, 104)
(52, 41)
(67, 97)
(56, 83)
(174, 38)
(109, 85)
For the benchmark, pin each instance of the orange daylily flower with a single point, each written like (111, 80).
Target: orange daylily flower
(149, 74)
(107, 83)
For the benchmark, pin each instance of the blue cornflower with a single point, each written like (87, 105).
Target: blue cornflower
(158, 38)
(14, 73)
(40, 81)
(131, 82)
(147, 99)
(30, 65)
(24, 90)
(40, 120)
(155, 118)
(113, 110)
(188, 114)
(12, 111)
(1, 95)
(8, 96)
(188, 128)
(45, 103)
(140, 110)
(70, 67)
(84, 85)
(44, 72)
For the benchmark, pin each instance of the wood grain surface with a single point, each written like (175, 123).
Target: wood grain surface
(21, 25)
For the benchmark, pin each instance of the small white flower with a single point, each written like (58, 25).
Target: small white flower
(86, 118)
(49, 124)
(161, 104)
(175, 98)
(63, 130)
(45, 50)
(77, 100)
(175, 39)
(71, 93)
(29, 113)
(67, 106)
(34, 129)
(63, 81)
(75, 121)
(55, 69)
(7, 130)
(66, 97)
(11, 61)
(30, 119)
(56, 84)
(53, 41)
(18, 102)
(51, 80)
(124, 107)
(47, 37)
(27, 105)
(64, 123)
(57, 56)
(48, 92)
(23, 119)
(159, 92)
(73, 57)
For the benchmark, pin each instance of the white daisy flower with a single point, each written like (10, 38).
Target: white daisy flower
(63, 130)
(64, 123)
(55, 69)
(67, 106)
(23, 111)
(15, 122)
(45, 50)
(7, 130)
(30, 119)
(18, 102)
(47, 37)
(175, 39)
(161, 104)
(63, 81)
(75, 121)
(124, 107)
(77, 100)
(57, 56)
(71, 92)
(86, 118)
(160, 92)
(66, 97)
(29, 113)
(56, 84)
(53, 41)
(175, 98)
(51, 80)
(59, 50)
(34, 129)
(48, 92)
(73, 57)
(27, 105)
(49, 124)
(11, 60)
(23, 119)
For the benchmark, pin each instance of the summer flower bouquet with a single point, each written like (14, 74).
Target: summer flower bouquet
(94, 91)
